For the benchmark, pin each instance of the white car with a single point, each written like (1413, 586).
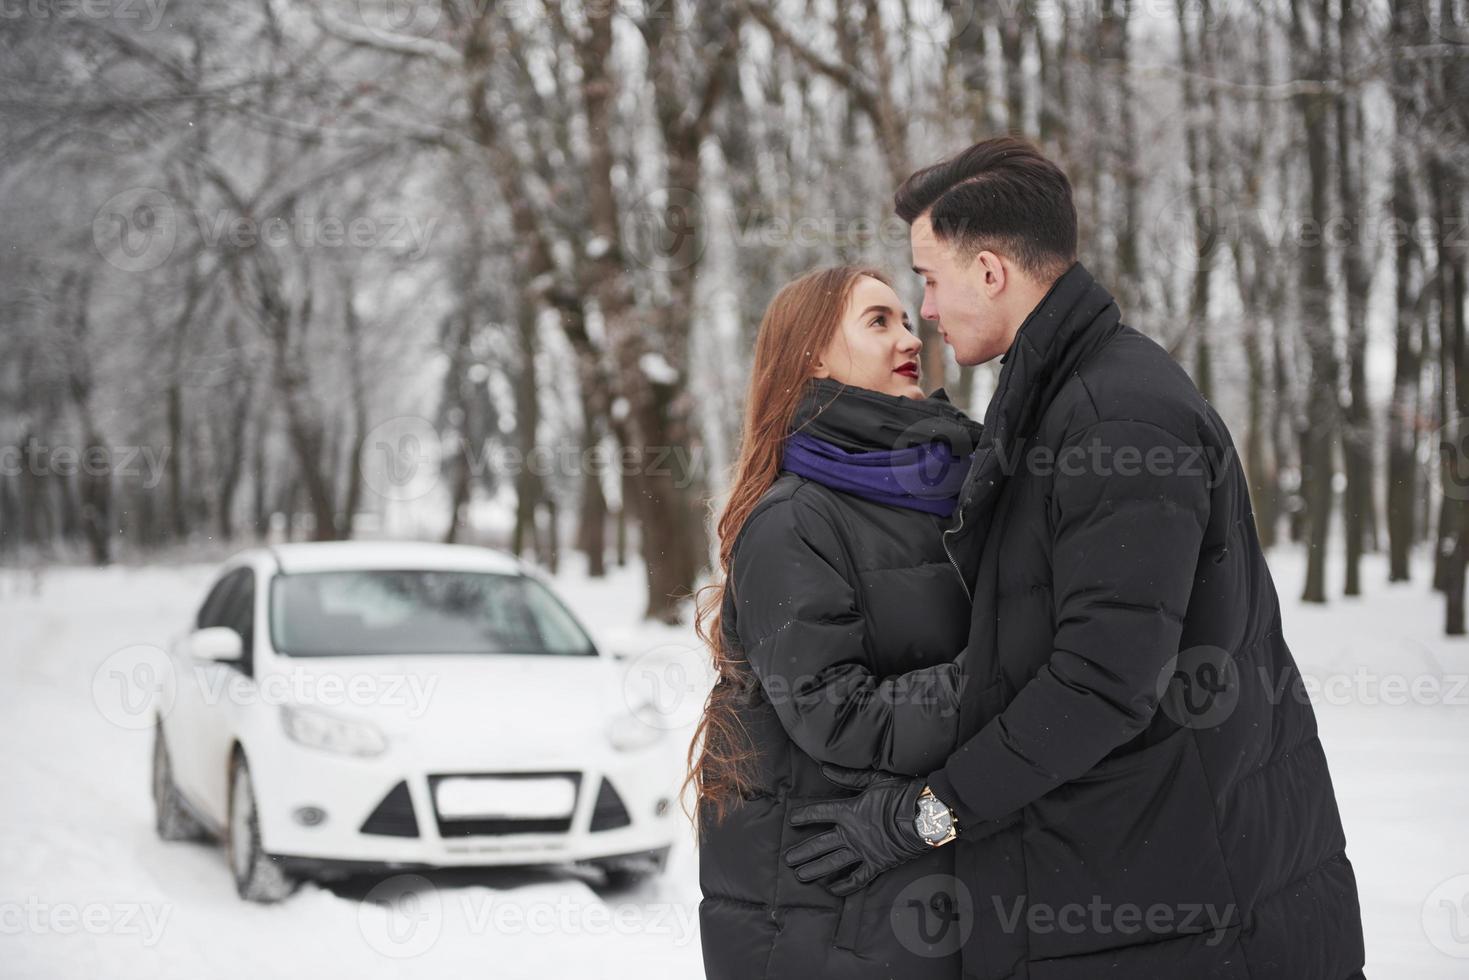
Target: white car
(345, 707)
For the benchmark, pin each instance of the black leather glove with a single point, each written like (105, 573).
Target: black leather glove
(872, 832)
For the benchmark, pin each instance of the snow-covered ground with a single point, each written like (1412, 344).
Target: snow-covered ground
(87, 889)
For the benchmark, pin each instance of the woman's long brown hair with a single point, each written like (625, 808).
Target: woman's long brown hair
(798, 325)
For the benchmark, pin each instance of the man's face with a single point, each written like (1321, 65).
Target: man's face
(964, 295)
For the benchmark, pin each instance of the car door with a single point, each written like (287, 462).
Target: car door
(198, 723)
(233, 693)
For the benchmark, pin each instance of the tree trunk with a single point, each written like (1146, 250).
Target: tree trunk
(1318, 469)
(529, 489)
(1357, 434)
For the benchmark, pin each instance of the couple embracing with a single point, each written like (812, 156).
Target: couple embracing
(983, 704)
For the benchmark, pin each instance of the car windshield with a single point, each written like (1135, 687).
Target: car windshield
(356, 613)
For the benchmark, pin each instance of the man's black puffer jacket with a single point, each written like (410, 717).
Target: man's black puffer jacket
(850, 616)
(1141, 790)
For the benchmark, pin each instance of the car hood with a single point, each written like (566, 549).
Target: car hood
(461, 696)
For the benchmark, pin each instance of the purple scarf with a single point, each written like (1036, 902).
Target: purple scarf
(924, 477)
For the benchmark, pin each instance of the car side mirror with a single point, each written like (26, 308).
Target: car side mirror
(216, 644)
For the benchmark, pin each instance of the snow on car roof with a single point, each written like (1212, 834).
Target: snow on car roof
(323, 556)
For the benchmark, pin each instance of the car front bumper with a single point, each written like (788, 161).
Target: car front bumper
(349, 792)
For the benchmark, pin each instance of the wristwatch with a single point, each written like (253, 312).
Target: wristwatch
(935, 822)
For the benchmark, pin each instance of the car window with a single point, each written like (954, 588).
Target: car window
(321, 614)
(216, 604)
(240, 613)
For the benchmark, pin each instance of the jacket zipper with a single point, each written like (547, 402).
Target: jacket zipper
(957, 570)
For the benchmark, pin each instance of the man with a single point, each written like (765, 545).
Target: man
(1139, 790)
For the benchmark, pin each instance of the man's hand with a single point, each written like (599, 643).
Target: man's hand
(872, 832)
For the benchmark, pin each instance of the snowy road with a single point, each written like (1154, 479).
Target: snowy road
(87, 889)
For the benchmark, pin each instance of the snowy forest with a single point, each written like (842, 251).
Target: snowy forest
(490, 272)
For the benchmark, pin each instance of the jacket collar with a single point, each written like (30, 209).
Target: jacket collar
(1075, 318)
(862, 420)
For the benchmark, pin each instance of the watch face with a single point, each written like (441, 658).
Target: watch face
(934, 820)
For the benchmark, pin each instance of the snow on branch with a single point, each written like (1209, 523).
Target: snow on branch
(380, 40)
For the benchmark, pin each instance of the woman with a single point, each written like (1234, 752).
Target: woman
(834, 635)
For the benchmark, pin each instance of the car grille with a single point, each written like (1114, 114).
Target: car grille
(394, 815)
(609, 812)
(500, 826)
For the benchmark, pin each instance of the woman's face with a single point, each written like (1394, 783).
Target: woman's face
(874, 348)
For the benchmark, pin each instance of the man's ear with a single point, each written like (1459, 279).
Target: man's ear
(992, 272)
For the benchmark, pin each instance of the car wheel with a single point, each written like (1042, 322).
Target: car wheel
(258, 877)
(171, 818)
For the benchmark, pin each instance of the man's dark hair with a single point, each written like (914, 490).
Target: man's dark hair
(1003, 195)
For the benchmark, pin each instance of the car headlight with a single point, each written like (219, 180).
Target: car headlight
(630, 731)
(327, 732)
